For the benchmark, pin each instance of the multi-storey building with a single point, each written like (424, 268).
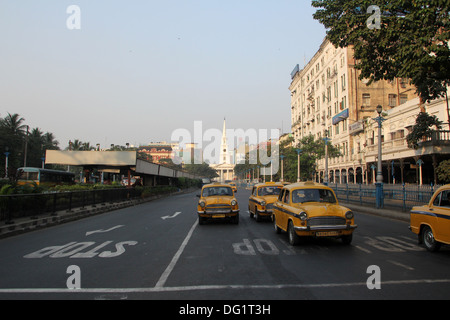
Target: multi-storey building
(328, 99)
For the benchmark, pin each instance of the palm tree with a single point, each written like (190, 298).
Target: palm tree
(13, 124)
(13, 131)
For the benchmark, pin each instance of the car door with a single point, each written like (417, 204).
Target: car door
(442, 221)
(278, 209)
(252, 200)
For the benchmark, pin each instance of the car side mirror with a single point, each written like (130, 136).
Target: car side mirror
(198, 195)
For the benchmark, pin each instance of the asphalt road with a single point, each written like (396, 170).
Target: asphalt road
(158, 251)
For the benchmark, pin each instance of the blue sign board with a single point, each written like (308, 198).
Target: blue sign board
(340, 116)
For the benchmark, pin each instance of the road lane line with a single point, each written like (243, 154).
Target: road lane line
(162, 280)
(219, 287)
(401, 265)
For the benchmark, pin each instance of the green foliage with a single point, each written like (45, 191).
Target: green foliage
(411, 43)
(312, 150)
(201, 170)
(422, 129)
(443, 171)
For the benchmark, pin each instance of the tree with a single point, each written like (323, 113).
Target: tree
(201, 170)
(443, 171)
(13, 132)
(411, 41)
(422, 129)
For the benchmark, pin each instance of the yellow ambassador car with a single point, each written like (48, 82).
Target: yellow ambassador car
(432, 222)
(217, 201)
(262, 198)
(311, 209)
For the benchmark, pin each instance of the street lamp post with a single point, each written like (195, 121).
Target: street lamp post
(325, 176)
(282, 161)
(379, 183)
(298, 164)
(6, 153)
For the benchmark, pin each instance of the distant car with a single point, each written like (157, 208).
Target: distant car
(233, 186)
(217, 201)
(431, 222)
(205, 181)
(308, 209)
(262, 198)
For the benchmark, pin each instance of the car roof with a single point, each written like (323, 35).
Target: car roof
(216, 184)
(268, 184)
(306, 185)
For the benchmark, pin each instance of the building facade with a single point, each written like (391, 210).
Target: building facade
(329, 100)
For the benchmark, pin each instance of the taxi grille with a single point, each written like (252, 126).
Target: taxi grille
(218, 208)
(326, 221)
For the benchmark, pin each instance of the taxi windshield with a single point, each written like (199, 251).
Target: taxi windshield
(217, 191)
(268, 191)
(313, 195)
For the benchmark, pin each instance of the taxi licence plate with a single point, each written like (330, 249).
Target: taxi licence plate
(327, 233)
(218, 216)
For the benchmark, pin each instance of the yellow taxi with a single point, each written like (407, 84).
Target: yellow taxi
(233, 186)
(262, 198)
(432, 222)
(309, 209)
(217, 201)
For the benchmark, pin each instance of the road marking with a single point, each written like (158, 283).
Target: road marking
(401, 265)
(103, 231)
(170, 217)
(162, 280)
(220, 287)
(363, 249)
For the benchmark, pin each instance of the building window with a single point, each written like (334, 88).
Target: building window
(366, 99)
(403, 98)
(392, 100)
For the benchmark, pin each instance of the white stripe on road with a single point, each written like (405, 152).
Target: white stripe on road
(162, 280)
(221, 287)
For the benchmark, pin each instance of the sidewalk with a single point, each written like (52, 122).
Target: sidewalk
(26, 224)
(388, 213)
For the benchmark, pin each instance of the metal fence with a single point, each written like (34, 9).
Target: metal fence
(402, 197)
(33, 205)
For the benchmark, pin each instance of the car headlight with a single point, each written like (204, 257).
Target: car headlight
(349, 215)
(202, 204)
(303, 216)
(263, 203)
(233, 202)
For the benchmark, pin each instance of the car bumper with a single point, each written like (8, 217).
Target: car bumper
(327, 228)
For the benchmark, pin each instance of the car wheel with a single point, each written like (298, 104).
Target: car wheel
(294, 239)
(201, 220)
(236, 219)
(277, 229)
(257, 216)
(428, 240)
(250, 211)
(347, 239)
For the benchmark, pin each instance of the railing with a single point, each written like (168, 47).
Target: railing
(402, 197)
(33, 205)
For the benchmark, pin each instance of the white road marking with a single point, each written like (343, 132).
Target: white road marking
(162, 280)
(170, 217)
(220, 287)
(401, 265)
(103, 231)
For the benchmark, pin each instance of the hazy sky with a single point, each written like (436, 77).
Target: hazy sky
(136, 71)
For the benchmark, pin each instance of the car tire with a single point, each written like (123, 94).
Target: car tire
(294, 239)
(201, 220)
(235, 219)
(257, 216)
(277, 229)
(250, 212)
(347, 239)
(429, 241)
